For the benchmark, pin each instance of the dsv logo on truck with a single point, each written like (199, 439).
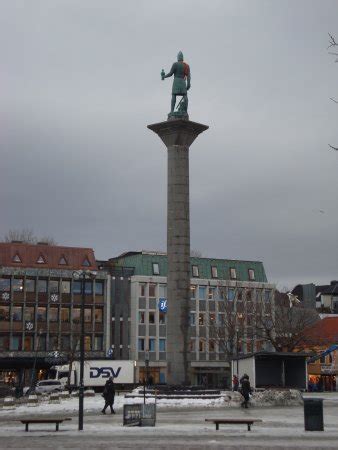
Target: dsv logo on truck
(104, 372)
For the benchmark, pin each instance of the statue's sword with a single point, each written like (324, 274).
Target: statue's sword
(179, 103)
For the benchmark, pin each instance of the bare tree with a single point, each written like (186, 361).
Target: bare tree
(283, 321)
(333, 44)
(27, 236)
(195, 253)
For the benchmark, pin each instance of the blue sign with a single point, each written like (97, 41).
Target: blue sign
(163, 304)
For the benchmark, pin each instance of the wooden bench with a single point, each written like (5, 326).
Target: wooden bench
(56, 420)
(248, 422)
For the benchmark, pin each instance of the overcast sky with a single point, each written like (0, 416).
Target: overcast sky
(80, 80)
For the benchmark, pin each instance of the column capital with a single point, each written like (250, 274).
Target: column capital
(178, 132)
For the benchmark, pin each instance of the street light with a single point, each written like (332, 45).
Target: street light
(82, 275)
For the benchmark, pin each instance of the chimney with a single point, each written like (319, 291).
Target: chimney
(14, 241)
(42, 243)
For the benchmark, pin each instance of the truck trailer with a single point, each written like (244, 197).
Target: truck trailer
(96, 373)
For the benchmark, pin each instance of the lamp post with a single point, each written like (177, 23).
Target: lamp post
(82, 275)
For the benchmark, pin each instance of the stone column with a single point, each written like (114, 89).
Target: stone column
(178, 135)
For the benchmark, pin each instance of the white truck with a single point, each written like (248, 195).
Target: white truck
(96, 373)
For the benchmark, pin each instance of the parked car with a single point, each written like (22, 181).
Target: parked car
(47, 386)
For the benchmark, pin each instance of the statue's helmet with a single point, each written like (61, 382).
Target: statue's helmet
(180, 56)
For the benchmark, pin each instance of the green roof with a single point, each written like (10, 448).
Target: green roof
(142, 262)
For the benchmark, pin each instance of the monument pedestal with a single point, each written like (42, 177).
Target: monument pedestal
(178, 135)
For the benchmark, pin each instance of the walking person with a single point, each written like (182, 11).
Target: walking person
(235, 383)
(109, 395)
(245, 390)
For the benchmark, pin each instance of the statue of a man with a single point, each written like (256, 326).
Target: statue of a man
(181, 83)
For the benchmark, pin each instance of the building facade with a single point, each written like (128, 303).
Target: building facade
(40, 308)
(140, 328)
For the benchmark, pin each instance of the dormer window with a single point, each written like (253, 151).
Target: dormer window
(233, 274)
(86, 262)
(251, 274)
(195, 271)
(63, 261)
(214, 272)
(16, 258)
(41, 259)
(156, 269)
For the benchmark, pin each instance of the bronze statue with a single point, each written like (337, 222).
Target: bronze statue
(181, 85)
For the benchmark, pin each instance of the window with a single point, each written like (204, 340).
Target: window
(53, 286)
(30, 285)
(77, 287)
(214, 272)
(201, 345)
(29, 313)
(16, 258)
(162, 318)
(142, 287)
(211, 346)
(65, 315)
(4, 343)
(231, 294)
(141, 317)
(4, 313)
(201, 319)
(251, 274)
(88, 287)
(98, 315)
(41, 314)
(42, 286)
(192, 345)
(98, 287)
(86, 262)
(156, 269)
(141, 345)
(195, 271)
(53, 314)
(249, 295)
(202, 292)
(17, 313)
(63, 261)
(151, 317)
(41, 260)
(192, 319)
(151, 344)
(161, 345)
(221, 319)
(233, 274)
(65, 286)
(212, 319)
(28, 344)
(65, 343)
(98, 343)
(41, 340)
(162, 290)
(152, 290)
(88, 343)
(267, 295)
(239, 295)
(17, 284)
(5, 284)
(76, 315)
(192, 291)
(16, 343)
(88, 315)
(211, 293)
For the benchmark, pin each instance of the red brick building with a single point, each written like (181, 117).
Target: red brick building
(40, 307)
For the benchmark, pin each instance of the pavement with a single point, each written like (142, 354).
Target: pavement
(281, 428)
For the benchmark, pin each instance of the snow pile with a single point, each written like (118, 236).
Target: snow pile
(275, 397)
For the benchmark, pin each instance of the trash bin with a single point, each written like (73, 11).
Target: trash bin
(313, 414)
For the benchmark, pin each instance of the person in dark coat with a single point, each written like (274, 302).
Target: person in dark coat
(245, 390)
(235, 383)
(109, 395)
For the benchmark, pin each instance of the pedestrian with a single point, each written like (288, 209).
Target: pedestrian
(235, 383)
(109, 395)
(245, 390)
